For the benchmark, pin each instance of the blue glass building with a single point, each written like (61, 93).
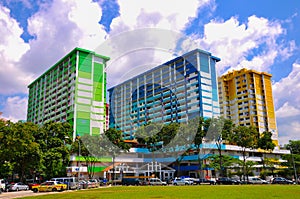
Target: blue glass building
(176, 91)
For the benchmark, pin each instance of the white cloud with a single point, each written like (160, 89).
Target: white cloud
(146, 34)
(287, 111)
(14, 108)
(287, 89)
(289, 130)
(287, 105)
(234, 42)
(12, 47)
(168, 14)
(61, 25)
(58, 28)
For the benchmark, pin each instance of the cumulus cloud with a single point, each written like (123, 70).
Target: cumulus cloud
(287, 105)
(14, 108)
(236, 43)
(146, 35)
(169, 14)
(59, 27)
(286, 91)
(287, 110)
(289, 130)
(12, 48)
(10, 37)
(136, 51)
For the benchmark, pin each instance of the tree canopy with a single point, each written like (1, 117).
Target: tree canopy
(30, 150)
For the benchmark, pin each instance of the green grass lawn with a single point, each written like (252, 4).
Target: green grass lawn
(172, 192)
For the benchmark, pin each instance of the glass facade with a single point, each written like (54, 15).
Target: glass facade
(176, 91)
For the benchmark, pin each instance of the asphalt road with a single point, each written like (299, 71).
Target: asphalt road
(20, 194)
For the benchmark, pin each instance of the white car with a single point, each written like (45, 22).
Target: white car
(156, 181)
(183, 181)
(2, 185)
(255, 180)
(17, 186)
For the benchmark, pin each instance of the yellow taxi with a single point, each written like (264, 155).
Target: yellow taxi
(49, 186)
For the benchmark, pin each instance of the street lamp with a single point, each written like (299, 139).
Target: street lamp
(79, 163)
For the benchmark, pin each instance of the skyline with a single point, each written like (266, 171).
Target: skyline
(250, 34)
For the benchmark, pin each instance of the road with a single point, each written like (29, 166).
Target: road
(20, 194)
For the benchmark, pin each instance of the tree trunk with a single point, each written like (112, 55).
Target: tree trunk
(244, 164)
(264, 167)
(200, 164)
(220, 159)
(178, 167)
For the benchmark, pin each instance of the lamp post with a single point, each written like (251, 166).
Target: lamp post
(79, 163)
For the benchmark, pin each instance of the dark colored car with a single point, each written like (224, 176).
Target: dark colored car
(131, 181)
(280, 180)
(226, 180)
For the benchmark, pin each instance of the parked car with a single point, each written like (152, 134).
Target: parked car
(170, 181)
(182, 181)
(2, 185)
(93, 183)
(17, 186)
(280, 180)
(49, 186)
(83, 184)
(200, 181)
(131, 181)
(71, 182)
(31, 182)
(156, 181)
(227, 181)
(102, 181)
(255, 180)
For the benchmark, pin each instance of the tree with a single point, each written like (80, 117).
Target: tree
(293, 158)
(294, 146)
(245, 137)
(84, 152)
(114, 144)
(54, 139)
(265, 142)
(198, 140)
(227, 162)
(168, 132)
(150, 135)
(218, 131)
(249, 167)
(115, 136)
(270, 163)
(6, 165)
(91, 149)
(19, 147)
(178, 140)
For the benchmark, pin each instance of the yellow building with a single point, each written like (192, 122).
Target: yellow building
(246, 98)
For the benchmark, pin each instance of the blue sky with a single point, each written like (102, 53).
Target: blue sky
(261, 35)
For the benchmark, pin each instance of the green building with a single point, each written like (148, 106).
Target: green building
(73, 90)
